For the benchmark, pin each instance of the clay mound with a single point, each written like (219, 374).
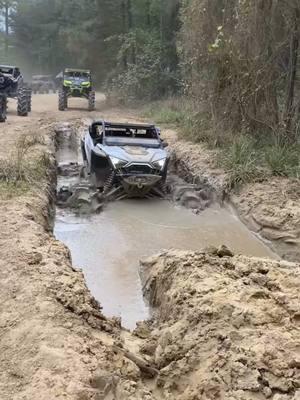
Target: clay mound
(226, 327)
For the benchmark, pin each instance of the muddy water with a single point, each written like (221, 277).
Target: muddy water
(108, 246)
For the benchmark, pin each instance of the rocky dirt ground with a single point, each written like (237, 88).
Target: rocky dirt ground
(270, 208)
(226, 327)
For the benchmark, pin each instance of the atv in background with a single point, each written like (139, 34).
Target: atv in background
(3, 105)
(12, 86)
(43, 84)
(76, 83)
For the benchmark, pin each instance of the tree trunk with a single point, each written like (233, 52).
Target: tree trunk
(161, 24)
(130, 29)
(148, 16)
(124, 30)
(294, 50)
(6, 16)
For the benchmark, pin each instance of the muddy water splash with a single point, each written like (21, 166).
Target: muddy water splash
(108, 246)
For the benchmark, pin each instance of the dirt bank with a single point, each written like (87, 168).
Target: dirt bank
(55, 342)
(225, 328)
(270, 208)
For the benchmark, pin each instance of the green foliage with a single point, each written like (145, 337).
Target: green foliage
(166, 116)
(130, 44)
(147, 66)
(283, 160)
(239, 61)
(241, 160)
(142, 77)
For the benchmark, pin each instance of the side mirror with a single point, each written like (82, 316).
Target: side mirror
(165, 144)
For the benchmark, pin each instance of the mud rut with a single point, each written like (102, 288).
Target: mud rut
(107, 240)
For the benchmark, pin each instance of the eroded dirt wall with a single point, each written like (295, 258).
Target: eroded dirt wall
(225, 328)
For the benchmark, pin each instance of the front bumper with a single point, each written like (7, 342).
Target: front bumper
(139, 185)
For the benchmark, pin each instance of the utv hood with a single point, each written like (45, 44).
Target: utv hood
(136, 154)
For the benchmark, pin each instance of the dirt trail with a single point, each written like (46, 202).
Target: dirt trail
(55, 343)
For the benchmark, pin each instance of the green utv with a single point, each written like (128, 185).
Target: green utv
(75, 83)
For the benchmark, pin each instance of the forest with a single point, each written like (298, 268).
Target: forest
(226, 70)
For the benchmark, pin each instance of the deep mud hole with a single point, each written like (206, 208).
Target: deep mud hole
(108, 245)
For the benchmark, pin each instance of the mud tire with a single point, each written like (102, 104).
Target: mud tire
(22, 103)
(94, 182)
(3, 109)
(92, 101)
(83, 172)
(83, 152)
(62, 100)
(29, 98)
(163, 188)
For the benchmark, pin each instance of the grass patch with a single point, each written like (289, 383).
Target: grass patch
(9, 191)
(242, 162)
(247, 160)
(283, 160)
(244, 157)
(194, 125)
(24, 169)
(170, 111)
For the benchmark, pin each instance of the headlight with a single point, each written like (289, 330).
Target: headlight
(160, 164)
(117, 162)
(67, 83)
(85, 83)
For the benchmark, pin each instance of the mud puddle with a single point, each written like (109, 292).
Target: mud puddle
(108, 246)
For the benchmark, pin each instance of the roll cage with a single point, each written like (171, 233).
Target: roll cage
(10, 71)
(102, 130)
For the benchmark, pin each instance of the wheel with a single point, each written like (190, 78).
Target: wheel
(83, 152)
(29, 95)
(83, 172)
(62, 100)
(22, 102)
(163, 188)
(3, 109)
(92, 100)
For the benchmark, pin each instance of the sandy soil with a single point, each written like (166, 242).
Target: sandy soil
(226, 328)
(270, 209)
(54, 342)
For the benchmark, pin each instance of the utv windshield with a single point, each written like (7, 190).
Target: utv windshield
(132, 136)
(77, 74)
(7, 70)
